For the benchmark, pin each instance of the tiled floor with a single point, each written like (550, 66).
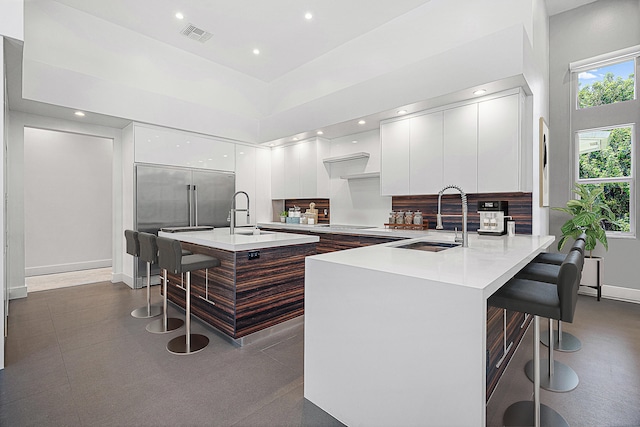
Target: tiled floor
(62, 280)
(75, 356)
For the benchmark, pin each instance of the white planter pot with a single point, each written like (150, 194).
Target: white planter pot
(592, 274)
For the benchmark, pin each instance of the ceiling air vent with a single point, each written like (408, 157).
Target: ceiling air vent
(196, 33)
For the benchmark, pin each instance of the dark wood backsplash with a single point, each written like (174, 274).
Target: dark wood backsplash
(519, 208)
(321, 205)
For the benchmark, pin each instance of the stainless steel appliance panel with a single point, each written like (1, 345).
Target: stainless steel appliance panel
(171, 197)
(212, 197)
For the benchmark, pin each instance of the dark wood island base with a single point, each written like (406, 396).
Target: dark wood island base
(246, 295)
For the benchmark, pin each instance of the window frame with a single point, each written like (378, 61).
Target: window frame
(605, 117)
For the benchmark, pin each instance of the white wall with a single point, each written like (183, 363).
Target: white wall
(12, 19)
(613, 25)
(357, 201)
(67, 202)
(15, 192)
(4, 288)
(76, 60)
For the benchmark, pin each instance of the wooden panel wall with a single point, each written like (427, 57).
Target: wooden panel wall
(516, 328)
(519, 208)
(248, 295)
(321, 205)
(330, 242)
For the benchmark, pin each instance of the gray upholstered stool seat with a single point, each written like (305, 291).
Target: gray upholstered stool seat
(540, 299)
(134, 248)
(171, 259)
(545, 268)
(149, 249)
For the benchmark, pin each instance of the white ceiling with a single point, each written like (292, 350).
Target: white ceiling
(277, 27)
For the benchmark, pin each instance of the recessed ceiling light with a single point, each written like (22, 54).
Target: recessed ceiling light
(361, 122)
(179, 15)
(256, 51)
(209, 159)
(178, 145)
(480, 92)
(295, 138)
(320, 132)
(308, 16)
(225, 155)
(402, 112)
(79, 113)
(272, 145)
(242, 152)
(354, 142)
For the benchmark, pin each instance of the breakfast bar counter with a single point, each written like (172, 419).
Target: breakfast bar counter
(259, 284)
(397, 336)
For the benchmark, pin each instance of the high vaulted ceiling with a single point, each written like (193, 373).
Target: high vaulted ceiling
(278, 28)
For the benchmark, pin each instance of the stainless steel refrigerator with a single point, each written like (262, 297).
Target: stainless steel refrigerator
(179, 197)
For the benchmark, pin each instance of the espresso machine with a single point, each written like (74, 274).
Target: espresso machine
(493, 218)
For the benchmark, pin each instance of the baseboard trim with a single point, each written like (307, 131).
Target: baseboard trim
(65, 268)
(614, 292)
(18, 292)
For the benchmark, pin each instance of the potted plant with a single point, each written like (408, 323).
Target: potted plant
(589, 214)
(283, 216)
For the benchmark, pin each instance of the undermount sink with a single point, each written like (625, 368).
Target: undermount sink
(251, 232)
(429, 246)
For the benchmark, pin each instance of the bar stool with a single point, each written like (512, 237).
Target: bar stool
(149, 253)
(133, 248)
(545, 268)
(555, 376)
(170, 258)
(540, 299)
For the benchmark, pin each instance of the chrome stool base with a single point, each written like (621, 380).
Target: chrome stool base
(147, 312)
(568, 344)
(522, 414)
(158, 326)
(179, 346)
(564, 378)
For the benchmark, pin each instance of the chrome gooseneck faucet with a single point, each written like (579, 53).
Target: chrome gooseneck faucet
(232, 212)
(464, 240)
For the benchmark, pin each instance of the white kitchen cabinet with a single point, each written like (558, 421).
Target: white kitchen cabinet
(170, 147)
(460, 151)
(395, 139)
(499, 145)
(292, 187)
(246, 180)
(301, 170)
(425, 154)
(277, 173)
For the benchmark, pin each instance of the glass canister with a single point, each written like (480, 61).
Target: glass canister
(392, 217)
(417, 218)
(408, 218)
(400, 217)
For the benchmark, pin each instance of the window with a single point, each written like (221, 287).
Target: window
(606, 85)
(604, 158)
(604, 121)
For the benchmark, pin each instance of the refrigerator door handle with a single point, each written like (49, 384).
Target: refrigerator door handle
(189, 205)
(195, 204)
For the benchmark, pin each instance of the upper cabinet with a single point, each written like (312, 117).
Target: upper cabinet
(297, 170)
(476, 146)
(460, 153)
(499, 149)
(175, 148)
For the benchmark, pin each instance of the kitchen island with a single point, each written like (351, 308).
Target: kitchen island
(396, 336)
(259, 284)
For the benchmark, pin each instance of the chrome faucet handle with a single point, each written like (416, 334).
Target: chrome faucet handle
(456, 238)
(229, 217)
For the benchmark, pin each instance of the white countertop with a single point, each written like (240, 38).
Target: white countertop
(486, 264)
(349, 229)
(221, 238)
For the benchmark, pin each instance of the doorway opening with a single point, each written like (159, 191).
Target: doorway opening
(67, 208)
